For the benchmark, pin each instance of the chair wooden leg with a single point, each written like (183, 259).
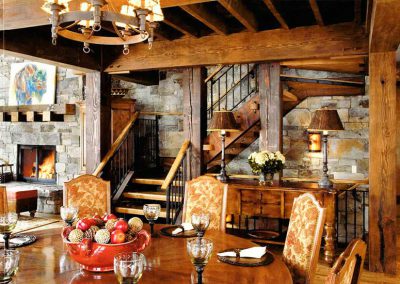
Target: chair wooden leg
(32, 213)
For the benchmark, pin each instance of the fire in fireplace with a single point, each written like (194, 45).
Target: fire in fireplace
(37, 163)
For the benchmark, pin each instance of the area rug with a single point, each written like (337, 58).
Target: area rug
(26, 223)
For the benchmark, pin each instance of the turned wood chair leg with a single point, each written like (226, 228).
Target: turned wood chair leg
(32, 213)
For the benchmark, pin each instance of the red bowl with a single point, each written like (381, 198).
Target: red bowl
(100, 257)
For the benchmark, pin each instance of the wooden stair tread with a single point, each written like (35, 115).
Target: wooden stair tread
(147, 195)
(138, 210)
(148, 181)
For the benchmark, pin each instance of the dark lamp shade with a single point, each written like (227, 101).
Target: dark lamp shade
(223, 120)
(325, 120)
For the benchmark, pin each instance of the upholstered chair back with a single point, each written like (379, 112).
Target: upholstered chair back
(3, 200)
(303, 240)
(90, 194)
(208, 195)
(348, 267)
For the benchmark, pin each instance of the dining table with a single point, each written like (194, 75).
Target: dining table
(47, 261)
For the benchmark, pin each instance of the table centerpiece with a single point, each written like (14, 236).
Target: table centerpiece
(266, 164)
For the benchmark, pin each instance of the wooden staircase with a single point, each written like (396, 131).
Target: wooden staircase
(247, 112)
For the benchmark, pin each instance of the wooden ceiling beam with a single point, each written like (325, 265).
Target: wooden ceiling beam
(276, 14)
(289, 97)
(345, 65)
(211, 20)
(316, 12)
(20, 45)
(272, 45)
(385, 26)
(303, 90)
(28, 13)
(181, 27)
(241, 13)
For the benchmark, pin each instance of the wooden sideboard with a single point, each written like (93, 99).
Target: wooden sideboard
(247, 198)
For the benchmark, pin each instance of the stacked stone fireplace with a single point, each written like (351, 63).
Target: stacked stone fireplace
(27, 145)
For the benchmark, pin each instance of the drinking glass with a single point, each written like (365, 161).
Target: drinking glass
(9, 260)
(151, 213)
(200, 223)
(68, 214)
(128, 267)
(8, 221)
(199, 250)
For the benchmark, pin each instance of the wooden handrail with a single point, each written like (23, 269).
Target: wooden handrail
(175, 166)
(219, 68)
(115, 145)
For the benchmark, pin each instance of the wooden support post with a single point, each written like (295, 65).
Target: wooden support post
(195, 117)
(398, 144)
(270, 106)
(382, 162)
(98, 116)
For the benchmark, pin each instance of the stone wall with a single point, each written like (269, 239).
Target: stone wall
(165, 97)
(64, 135)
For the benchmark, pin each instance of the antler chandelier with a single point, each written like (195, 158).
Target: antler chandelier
(134, 23)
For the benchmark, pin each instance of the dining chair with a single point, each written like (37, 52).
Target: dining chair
(348, 267)
(303, 239)
(90, 194)
(3, 200)
(208, 195)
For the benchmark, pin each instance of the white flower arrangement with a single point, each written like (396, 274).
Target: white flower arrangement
(266, 162)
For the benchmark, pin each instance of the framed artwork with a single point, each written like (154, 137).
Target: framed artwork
(32, 83)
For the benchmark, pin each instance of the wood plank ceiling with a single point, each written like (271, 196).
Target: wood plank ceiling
(195, 19)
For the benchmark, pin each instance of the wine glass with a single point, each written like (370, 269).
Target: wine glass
(128, 267)
(200, 223)
(68, 214)
(9, 260)
(8, 221)
(199, 251)
(151, 213)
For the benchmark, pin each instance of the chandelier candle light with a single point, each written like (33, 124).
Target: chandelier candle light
(325, 120)
(134, 23)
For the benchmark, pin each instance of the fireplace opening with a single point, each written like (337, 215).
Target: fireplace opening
(36, 163)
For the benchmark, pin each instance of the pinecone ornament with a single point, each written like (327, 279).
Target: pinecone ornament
(102, 236)
(135, 224)
(89, 234)
(76, 236)
(99, 222)
(110, 224)
(130, 236)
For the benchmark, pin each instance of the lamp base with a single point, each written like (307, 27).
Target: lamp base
(222, 177)
(324, 182)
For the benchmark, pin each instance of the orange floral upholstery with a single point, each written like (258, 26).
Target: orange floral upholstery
(90, 194)
(206, 194)
(303, 239)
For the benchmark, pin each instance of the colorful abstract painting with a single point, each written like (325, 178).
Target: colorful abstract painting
(32, 83)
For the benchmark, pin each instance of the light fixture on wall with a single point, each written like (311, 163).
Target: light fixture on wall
(223, 121)
(325, 120)
(134, 23)
(314, 141)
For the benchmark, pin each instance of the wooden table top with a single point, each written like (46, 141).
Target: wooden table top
(46, 261)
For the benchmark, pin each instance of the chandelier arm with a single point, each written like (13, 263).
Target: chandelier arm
(134, 29)
(102, 39)
(68, 27)
(117, 31)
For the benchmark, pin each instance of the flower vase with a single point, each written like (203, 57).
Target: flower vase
(266, 179)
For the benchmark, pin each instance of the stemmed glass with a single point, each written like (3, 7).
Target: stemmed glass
(128, 267)
(151, 213)
(9, 260)
(199, 251)
(68, 214)
(200, 223)
(8, 221)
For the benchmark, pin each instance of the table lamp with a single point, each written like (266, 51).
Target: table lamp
(325, 120)
(223, 121)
